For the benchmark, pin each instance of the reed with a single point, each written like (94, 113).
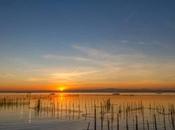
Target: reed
(100, 110)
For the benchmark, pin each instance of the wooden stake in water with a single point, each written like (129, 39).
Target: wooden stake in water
(172, 121)
(95, 118)
(112, 116)
(102, 116)
(118, 123)
(164, 120)
(38, 106)
(136, 122)
(88, 126)
(85, 111)
(155, 122)
(147, 125)
(108, 124)
(127, 127)
(143, 117)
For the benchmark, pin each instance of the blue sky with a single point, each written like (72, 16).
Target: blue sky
(87, 43)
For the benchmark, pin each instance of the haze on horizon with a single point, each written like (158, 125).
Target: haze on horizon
(45, 44)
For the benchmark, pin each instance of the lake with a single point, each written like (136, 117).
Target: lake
(65, 111)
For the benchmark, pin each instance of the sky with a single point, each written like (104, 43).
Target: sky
(45, 44)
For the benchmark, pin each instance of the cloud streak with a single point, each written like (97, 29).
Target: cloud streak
(92, 65)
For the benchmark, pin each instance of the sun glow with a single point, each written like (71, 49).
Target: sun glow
(61, 88)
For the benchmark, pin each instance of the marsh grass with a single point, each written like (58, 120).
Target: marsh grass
(105, 114)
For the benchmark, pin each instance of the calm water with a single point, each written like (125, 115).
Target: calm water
(87, 111)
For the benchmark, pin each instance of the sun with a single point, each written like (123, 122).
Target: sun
(61, 88)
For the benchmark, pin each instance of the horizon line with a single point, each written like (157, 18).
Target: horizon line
(104, 90)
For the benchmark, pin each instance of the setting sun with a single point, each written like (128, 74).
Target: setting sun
(61, 88)
(89, 64)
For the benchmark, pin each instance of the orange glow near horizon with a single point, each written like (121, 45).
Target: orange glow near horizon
(61, 88)
(97, 85)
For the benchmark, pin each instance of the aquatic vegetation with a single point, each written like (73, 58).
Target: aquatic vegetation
(99, 112)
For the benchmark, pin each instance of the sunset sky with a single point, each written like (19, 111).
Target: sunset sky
(45, 44)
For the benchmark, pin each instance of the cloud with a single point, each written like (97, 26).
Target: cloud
(99, 59)
(36, 79)
(130, 16)
(110, 59)
(124, 41)
(60, 57)
(7, 75)
(141, 43)
(93, 53)
(105, 66)
(72, 74)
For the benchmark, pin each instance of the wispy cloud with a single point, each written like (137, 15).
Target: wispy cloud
(100, 65)
(110, 59)
(68, 75)
(7, 75)
(100, 58)
(93, 53)
(130, 16)
(61, 57)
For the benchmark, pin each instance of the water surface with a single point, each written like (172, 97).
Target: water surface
(87, 111)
